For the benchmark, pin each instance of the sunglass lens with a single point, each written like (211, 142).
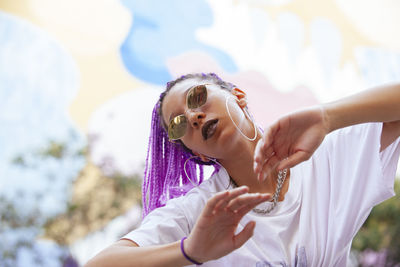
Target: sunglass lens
(177, 127)
(197, 96)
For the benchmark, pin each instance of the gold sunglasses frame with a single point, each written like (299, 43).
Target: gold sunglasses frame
(181, 120)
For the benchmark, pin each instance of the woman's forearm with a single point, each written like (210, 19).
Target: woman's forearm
(380, 104)
(121, 256)
(211, 237)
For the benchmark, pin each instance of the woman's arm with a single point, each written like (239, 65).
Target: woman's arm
(212, 237)
(126, 253)
(295, 137)
(380, 104)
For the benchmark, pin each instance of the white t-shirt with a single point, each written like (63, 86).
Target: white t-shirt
(329, 198)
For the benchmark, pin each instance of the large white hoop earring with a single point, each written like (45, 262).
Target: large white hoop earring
(252, 120)
(195, 184)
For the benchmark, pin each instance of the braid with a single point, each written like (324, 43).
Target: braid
(201, 76)
(164, 175)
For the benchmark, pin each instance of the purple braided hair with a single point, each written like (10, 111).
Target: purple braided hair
(164, 176)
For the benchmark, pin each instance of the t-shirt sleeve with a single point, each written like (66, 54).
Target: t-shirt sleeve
(173, 221)
(161, 226)
(343, 180)
(361, 175)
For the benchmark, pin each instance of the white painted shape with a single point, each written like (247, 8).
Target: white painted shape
(327, 42)
(122, 127)
(291, 31)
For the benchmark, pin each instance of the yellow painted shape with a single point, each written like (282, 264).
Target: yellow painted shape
(102, 78)
(379, 20)
(102, 74)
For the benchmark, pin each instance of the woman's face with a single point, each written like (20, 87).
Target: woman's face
(209, 131)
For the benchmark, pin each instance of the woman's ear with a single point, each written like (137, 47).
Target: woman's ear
(240, 96)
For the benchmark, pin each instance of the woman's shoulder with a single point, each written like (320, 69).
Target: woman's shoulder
(357, 130)
(217, 182)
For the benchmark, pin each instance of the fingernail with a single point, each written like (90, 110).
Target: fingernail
(263, 177)
(278, 168)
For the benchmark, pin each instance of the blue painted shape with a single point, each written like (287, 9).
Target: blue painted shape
(163, 29)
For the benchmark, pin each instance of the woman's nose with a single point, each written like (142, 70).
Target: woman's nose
(195, 117)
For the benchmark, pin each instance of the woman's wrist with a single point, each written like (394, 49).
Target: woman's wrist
(374, 105)
(333, 117)
(326, 119)
(189, 256)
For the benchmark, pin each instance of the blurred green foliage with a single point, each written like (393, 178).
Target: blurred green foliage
(53, 149)
(382, 228)
(101, 198)
(107, 198)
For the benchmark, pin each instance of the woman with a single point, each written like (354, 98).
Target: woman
(261, 207)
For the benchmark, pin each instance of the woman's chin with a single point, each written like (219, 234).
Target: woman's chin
(227, 139)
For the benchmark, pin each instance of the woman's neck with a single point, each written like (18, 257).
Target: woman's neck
(240, 164)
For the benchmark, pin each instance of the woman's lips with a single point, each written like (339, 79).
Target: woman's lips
(209, 128)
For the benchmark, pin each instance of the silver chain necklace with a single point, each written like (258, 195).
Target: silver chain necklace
(281, 180)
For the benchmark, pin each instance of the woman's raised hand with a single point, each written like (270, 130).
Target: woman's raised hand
(213, 235)
(290, 140)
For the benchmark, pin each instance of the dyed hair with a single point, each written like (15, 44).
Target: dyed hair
(164, 175)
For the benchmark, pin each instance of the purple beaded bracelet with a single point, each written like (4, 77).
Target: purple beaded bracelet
(186, 256)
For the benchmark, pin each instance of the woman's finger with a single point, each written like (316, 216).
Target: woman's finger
(234, 204)
(261, 156)
(258, 156)
(265, 143)
(244, 235)
(293, 160)
(269, 134)
(212, 202)
(245, 209)
(209, 208)
(223, 202)
(268, 167)
(247, 199)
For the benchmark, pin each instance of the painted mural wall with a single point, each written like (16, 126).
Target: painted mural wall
(78, 81)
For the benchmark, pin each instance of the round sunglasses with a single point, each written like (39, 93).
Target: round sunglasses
(195, 98)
